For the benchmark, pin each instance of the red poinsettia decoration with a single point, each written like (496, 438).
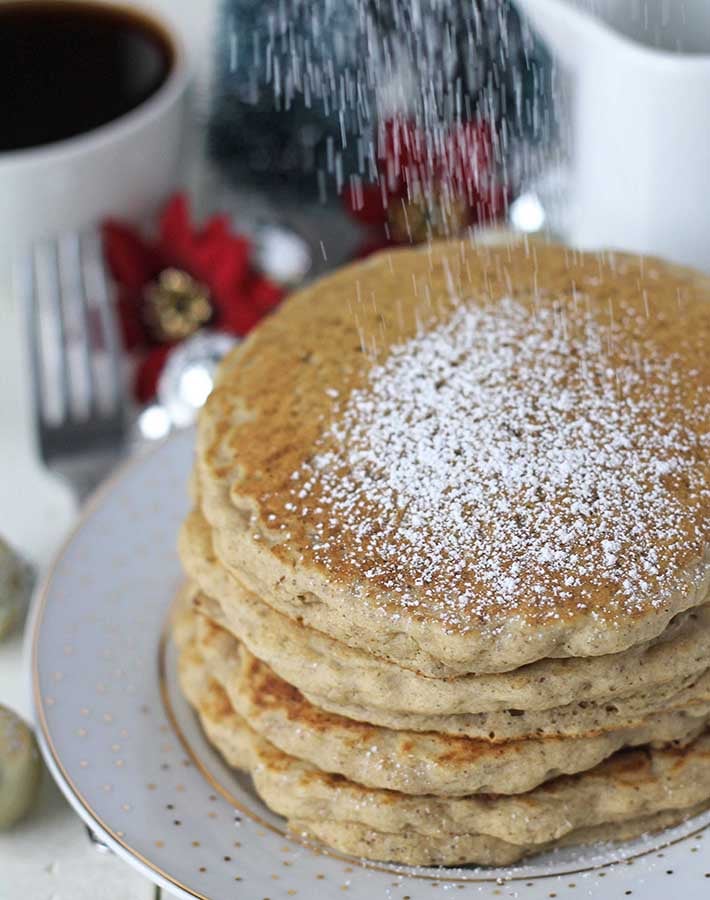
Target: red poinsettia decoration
(185, 278)
(430, 184)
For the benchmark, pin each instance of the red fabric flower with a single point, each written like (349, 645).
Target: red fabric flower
(148, 372)
(455, 167)
(460, 159)
(367, 202)
(212, 255)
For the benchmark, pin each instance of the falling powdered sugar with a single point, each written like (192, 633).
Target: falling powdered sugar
(512, 458)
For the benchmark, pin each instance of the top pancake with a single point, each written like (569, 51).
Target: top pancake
(489, 455)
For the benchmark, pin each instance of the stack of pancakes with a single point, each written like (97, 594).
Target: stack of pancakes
(448, 557)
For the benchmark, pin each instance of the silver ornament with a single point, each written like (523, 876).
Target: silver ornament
(188, 376)
(282, 254)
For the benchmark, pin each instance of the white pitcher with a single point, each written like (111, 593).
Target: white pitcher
(636, 75)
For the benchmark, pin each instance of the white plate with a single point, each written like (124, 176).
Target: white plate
(127, 752)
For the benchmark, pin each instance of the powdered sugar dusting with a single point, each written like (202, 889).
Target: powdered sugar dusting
(512, 457)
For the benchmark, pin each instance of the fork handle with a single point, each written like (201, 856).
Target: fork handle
(84, 474)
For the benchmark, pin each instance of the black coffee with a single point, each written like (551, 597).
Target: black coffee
(68, 67)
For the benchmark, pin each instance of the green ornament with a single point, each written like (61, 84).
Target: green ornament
(15, 588)
(20, 768)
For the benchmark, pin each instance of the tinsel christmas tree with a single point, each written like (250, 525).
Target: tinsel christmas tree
(300, 83)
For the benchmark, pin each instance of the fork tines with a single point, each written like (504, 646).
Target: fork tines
(74, 349)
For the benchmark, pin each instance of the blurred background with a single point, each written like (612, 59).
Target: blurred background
(172, 169)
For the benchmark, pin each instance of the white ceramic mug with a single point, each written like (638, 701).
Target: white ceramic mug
(124, 168)
(636, 76)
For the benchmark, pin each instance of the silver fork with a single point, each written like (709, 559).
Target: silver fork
(75, 358)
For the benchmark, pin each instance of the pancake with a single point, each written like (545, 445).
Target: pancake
(572, 720)
(692, 697)
(461, 849)
(407, 761)
(471, 458)
(633, 791)
(363, 685)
